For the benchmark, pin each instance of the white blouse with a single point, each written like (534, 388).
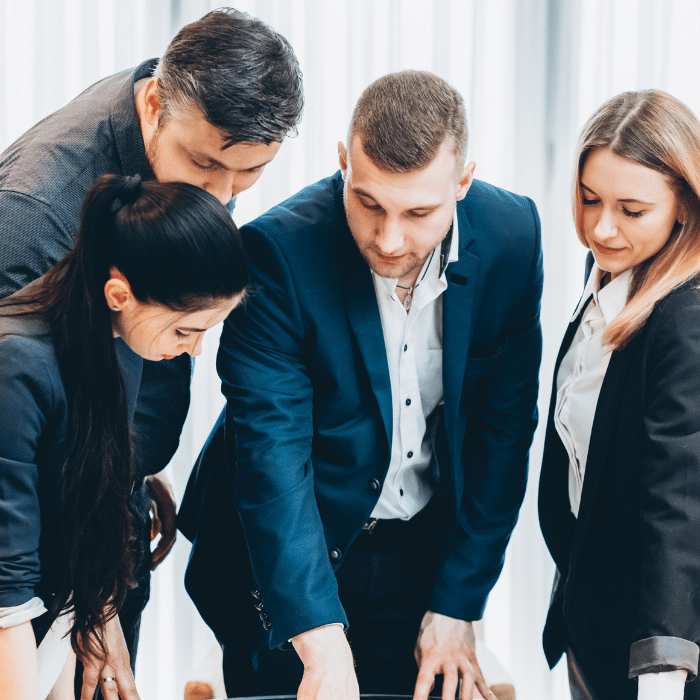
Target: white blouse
(582, 371)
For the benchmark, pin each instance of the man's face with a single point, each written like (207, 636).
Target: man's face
(397, 219)
(187, 148)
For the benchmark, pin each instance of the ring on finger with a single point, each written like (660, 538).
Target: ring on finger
(107, 679)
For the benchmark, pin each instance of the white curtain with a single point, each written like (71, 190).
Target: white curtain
(531, 72)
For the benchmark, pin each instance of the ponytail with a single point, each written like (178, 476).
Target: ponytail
(98, 478)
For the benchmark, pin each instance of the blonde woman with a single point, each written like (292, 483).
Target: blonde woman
(620, 484)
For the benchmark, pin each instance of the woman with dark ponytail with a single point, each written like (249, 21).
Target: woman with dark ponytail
(154, 266)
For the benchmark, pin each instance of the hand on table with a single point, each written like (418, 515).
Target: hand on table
(113, 674)
(163, 510)
(329, 670)
(446, 646)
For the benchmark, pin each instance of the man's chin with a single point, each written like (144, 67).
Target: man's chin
(388, 270)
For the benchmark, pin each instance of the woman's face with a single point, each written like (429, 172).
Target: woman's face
(628, 209)
(158, 333)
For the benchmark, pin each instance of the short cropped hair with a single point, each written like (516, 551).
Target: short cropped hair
(238, 72)
(403, 118)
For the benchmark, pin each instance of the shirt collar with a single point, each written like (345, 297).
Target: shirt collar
(126, 126)
(454, 243)
(611, 299)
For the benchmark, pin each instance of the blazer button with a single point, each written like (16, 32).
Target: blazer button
(374, 484)
(335, 554)
(256, 594)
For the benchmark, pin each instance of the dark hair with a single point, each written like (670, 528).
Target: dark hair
(241, 74)
(403, 118)
(177, 246)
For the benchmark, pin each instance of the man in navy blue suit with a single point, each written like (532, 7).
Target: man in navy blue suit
(381, 386)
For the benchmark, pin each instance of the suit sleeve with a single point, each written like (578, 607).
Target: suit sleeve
(25, 404)
(269, 410)
(668, 620)
(499, 432)
(32, 238)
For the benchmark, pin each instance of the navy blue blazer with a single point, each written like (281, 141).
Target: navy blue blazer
(626, 595)
(306, 434)
(33, 450)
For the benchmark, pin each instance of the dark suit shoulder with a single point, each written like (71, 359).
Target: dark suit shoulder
(25, 341)
(687, 295)
(44, 162)
(306, 216)
(675, 322)
(496, 196)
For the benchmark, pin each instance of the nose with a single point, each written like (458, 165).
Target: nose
(606, 226)
(196, 346)
(389, 238)
(222, 187)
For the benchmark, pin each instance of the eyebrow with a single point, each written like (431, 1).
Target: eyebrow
(626, 201)
(421, 207)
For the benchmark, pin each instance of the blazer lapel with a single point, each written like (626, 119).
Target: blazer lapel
(366, 325)
(457, 312)
(603, 422)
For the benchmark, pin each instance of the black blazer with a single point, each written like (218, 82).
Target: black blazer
(626, 595)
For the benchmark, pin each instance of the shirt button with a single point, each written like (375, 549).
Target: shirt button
(401, 491)
(374, 484)
(335, 554)
(405, 347)
(409, 455)
(408, 402)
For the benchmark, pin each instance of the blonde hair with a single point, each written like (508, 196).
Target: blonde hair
(654, 129)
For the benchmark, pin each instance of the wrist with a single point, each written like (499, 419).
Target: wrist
(320, 643)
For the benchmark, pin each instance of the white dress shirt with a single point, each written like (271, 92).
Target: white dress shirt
(413, 341)
(579, 381)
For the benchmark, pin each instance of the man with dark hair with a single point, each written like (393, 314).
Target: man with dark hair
(381, 393)
(212, 112)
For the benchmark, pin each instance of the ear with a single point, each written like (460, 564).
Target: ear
(151, 103)
(465, 180)
(343, 158)
(118, 294)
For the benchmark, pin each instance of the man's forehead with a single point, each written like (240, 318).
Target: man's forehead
(418, 189)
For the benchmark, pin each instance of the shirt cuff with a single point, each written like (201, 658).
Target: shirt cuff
(669, 685)
(17, 614)
(657, 654)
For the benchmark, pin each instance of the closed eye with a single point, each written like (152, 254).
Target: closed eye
(588, 202)
(180, 334)
(210, 166)
(632, 214)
